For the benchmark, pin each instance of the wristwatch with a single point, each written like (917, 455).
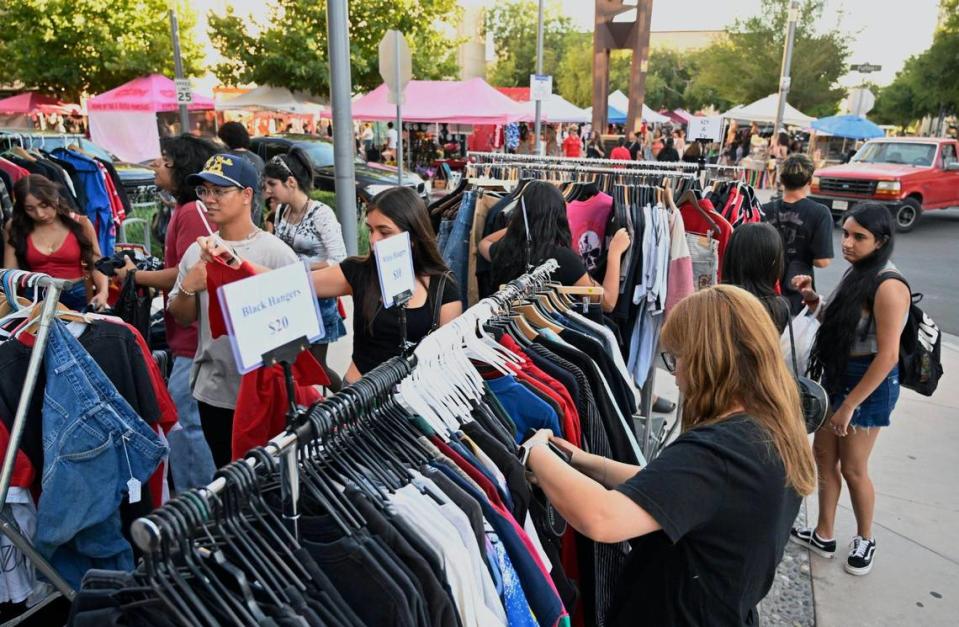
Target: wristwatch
(524, 452)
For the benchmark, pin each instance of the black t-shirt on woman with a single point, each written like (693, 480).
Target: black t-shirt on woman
(374, 344)
(719, 493)
(571, 268)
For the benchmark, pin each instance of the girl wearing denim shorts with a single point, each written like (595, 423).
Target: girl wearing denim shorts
(856, 353)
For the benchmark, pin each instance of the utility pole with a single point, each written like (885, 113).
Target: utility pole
(178, 69)
(537, 127)
(784, 75)
(341, 88)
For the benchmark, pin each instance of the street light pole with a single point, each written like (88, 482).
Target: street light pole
(784, 75)
(539, 70)
(338, 38)
(178, 68)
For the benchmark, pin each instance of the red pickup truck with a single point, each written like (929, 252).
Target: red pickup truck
(909, 174)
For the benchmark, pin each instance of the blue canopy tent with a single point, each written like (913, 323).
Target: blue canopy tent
(848, 126)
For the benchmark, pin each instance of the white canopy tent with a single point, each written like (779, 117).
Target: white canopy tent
(557, 110)
(268, 98)
(619, 100)
(764, 110)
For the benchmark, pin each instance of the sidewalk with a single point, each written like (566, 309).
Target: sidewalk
(915, 468)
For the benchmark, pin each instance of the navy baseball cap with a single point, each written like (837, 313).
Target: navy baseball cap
(226, 170)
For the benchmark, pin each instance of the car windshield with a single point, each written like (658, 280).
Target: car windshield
(896, 152)
(321, 153)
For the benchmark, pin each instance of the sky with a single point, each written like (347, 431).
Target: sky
(882, 32)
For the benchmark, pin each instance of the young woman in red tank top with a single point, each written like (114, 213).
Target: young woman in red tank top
(45, 236)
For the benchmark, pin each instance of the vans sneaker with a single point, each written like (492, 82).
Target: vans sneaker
(810, 539)
(862, 554)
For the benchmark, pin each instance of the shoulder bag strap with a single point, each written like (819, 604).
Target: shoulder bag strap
(792, 345)
(438, 299)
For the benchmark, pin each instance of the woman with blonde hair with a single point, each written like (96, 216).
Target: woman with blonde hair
(710, 516)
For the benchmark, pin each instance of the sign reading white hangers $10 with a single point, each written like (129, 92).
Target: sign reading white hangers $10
(394, 263)
(269, 310)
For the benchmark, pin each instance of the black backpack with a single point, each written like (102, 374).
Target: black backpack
(920, 347)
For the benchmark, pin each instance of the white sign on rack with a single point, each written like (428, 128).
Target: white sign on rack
(394, 263)
(184, 91)
(269, 310)
(705, 128)
(541, 86)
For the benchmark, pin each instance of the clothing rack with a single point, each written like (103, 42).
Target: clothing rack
(501, 157)
(316, 424)
(7, 526)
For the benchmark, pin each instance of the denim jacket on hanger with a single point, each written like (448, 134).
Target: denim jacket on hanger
(93, 445)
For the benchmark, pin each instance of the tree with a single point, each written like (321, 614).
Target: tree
(744, 66)
(928, 83)
(68, 48)
(668, 80)
(291, 50)
(512, 26)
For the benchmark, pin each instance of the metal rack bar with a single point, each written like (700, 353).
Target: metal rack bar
(655, 165)
(7, 526)
(586, 169)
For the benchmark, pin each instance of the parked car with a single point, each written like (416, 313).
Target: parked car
(371, 178)
(909, 174)
(137, 179)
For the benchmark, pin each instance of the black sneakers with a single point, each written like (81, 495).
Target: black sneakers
(811, 540)
(862, 554)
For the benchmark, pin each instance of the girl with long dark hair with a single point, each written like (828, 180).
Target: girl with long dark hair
(311, 229)
(377, 329)
(43, 235)
(754, 262)
(539, 230)
(857, 353)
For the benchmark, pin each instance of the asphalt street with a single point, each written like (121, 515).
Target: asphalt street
(928, 257)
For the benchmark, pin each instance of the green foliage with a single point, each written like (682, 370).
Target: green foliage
(668, 80)
(745, 65)
(71, 47)
(928, 83)
(290, 50)
(512, 25)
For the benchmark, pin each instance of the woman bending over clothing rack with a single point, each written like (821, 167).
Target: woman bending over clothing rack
(517, 247)
(45, 236)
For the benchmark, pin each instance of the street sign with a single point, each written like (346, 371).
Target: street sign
(396, 64)
(704, 128)
(865, 68)
(860, 101)
(184, 91)
(266, 311)
(540, 86)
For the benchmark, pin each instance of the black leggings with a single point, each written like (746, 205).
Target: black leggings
(217, 424)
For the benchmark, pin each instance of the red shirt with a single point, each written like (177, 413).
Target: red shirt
(185, 226)
(63, 263)
(573, 146)
(694, 222)
(621, 153)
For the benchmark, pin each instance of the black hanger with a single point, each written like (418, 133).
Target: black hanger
(178, 586)
(188, 506)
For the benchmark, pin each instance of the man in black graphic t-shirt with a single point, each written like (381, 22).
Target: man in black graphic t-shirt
(805, 226)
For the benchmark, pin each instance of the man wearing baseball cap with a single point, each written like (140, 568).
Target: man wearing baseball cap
(225, 188)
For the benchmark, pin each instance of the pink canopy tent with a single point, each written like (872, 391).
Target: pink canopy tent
(459, 102)
(147, 93)
(33, 102)
(124, 119)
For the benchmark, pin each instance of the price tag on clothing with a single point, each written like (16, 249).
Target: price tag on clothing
(705, 128)
(394, 263)
(269, 310)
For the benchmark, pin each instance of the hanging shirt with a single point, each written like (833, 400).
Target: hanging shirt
(587, 225)
(695, 222)
(525, 409)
